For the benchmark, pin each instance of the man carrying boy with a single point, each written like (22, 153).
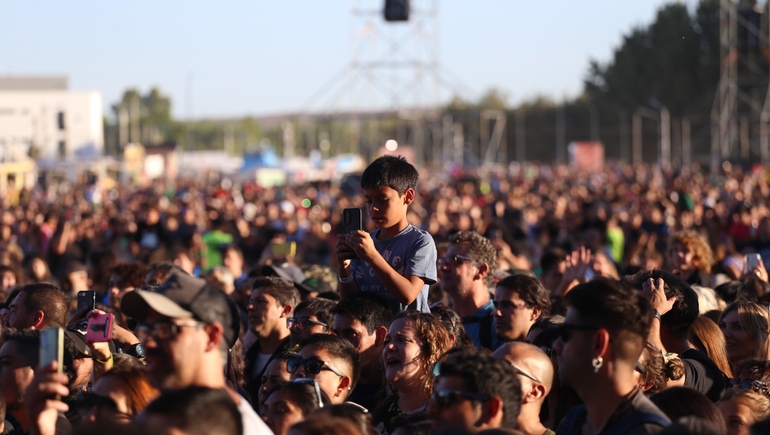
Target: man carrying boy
(397, 261)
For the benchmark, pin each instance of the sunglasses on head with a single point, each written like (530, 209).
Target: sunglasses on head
(757, 386)
(311, 365)
(439, 306)
(565, 330)
(445, 397)
(521, 371)
(454, 260)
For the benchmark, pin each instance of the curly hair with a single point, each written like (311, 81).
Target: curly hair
(481, 250)
(434, 340)
(755, 321)
(701, 251)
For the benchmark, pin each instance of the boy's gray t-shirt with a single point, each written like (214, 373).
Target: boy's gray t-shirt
(411, 252)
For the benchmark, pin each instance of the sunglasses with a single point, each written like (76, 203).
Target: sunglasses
(311, 365)
(521, 371)
(163, 330)
(454, 260)
(315, 386)
(303, 322)
(439, 306)
(565, 330)
(757, 386)
(445, 397)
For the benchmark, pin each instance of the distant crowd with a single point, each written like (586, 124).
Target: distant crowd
(535, 299)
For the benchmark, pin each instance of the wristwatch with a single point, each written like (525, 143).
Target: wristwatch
(657, 315)
(135, 350)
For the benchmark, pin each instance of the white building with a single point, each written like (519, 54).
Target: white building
(40, 117)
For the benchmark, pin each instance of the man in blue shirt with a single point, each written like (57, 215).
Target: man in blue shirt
(466, 274)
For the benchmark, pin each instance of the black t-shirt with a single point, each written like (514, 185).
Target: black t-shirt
(640, 417)
(702, 374)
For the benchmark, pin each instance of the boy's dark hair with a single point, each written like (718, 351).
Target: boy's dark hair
(622, 310)
(321, 308)
(281, 289)
(340, 348)
(390, 171)
(53, 302)
(199, 411)
(488, 376)
(686, 308)
(530, 290)
(368, 309)
(481, 250)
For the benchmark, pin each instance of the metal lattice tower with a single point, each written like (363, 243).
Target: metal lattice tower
(741, 110)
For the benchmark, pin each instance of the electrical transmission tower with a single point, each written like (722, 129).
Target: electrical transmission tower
(741, 111)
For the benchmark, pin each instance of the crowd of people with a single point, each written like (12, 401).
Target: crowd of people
(532, 300)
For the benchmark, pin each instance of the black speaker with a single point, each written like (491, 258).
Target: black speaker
(396, 10)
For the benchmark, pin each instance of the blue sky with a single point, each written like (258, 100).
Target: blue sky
(263, 57)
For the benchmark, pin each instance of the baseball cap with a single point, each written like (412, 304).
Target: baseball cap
(285, 271)
(184, 295)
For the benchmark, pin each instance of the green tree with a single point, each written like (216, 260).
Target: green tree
(674, 60)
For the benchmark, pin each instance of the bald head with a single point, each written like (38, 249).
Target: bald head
(530, 359)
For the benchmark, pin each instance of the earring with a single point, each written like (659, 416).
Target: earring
(597, 363)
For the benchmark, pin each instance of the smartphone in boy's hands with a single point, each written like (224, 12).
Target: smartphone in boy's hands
(352, 221)
(86, 299)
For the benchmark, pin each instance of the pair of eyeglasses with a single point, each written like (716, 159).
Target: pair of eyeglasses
(439, 306)
(163, 330)
(454, 260)
(315, 386)
(311, 365)
(522, 372)
(105, 407)
(566, 328)
(445, 397)
(303, 322)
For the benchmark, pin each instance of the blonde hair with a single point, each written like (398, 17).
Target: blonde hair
(701, 251)
(757, 402)
(754, 319)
